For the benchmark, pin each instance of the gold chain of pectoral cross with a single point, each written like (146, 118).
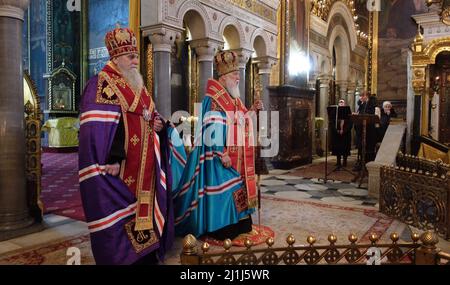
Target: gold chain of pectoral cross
(145, 112)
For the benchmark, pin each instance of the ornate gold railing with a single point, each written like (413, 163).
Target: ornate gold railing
(422, 250)
(417, 192)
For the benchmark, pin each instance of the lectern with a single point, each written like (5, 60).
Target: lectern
(363, 120)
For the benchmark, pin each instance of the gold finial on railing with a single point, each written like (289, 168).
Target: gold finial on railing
(270, 241)
(205, 247)
(429, 239)
(332, 239)
(394, 237)
(435, 174)
(311, 240)
(352, 238)
(373, 238)
(415, 237)
(189, 245)
(290, 240)
(227, 244)
(414, 170)
(248, 244)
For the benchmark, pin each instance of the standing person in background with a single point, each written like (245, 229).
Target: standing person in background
(341, 137)
(367, 106)
(387, 113)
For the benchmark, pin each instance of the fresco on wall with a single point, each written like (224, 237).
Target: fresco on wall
(104, 15)
(66, 42)
(66, 37)
(38, 47)
(397, 30)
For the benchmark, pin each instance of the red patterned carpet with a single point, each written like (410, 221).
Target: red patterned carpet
(60, 188)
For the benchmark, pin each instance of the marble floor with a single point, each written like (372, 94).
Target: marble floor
(333, 191)
(56, 228)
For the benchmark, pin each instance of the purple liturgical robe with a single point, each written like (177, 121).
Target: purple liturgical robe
(109, 205)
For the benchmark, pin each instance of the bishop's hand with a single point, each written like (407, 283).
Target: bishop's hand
(226, 160)
(112, 169)
(158, 124)
(258, 106)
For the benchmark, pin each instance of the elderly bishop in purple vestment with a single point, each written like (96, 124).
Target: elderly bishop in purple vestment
(124, 171)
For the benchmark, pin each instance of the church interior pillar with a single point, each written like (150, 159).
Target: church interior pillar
(324, 102)
(162, 41)
(351, 90)
(343, 88)
(264, 75)
(14, 212)
(244, 56)
(206, 50)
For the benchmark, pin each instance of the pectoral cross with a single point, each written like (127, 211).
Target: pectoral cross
(146, 114)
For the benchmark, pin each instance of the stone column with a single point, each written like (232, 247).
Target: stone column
(343, 87)
(206, 50)
(264, 77)
(14, 212)
(162, 40)
(323, 104)
(351, 90)
(244, 56)
(265, 69)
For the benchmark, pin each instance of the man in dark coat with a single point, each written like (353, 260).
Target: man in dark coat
(366, 106)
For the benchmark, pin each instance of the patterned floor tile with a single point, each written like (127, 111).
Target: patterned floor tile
(294, 195)
(354, 192)
(278, 172)
(298, 181)
(273, 182)
(289, 177)
(311, 187)
(324, 193)
(283, 188)
(264, 189)
(342, 200)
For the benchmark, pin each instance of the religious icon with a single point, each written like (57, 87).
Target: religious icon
(62, 95)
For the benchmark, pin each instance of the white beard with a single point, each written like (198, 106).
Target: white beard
(234, 91)
(134, 78)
